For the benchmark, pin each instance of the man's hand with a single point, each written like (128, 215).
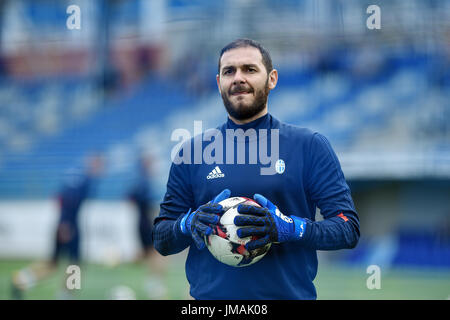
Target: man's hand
(268, 223)
(197, 224)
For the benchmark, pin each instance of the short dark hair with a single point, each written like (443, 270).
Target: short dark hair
(242, 43)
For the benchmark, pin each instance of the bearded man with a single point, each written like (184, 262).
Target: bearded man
(307, 176)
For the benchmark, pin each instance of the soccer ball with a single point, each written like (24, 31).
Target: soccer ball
(225, 245)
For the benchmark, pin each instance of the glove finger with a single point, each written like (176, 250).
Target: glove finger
(199, 242)
(264, 202)
(202, 229)
(222, 196)
(211, 208)
(249, 220)
(208, 218)
(256, 211)
(258, 243)
(252, 231)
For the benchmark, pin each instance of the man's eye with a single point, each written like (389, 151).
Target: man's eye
(227, 71)
(251, 70)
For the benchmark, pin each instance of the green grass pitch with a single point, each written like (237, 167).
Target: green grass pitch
(332, 282)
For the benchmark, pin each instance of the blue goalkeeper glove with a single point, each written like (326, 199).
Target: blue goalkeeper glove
(198, 224)
(268, 223)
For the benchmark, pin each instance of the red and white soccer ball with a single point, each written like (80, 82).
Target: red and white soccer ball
(225, 245)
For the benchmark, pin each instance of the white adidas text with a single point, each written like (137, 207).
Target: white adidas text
(216, 173)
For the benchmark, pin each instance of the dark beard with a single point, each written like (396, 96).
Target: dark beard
(243, 113)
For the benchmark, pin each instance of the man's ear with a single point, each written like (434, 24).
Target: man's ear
(218, 83)
(273, 79)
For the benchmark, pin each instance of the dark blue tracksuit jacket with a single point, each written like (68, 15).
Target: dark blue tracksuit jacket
(312, 178)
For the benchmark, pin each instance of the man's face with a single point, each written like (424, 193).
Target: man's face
(244, 83)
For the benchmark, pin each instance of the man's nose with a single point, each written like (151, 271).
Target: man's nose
(238, 77)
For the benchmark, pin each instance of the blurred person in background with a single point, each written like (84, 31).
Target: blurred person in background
(142, 197)
(76, 188)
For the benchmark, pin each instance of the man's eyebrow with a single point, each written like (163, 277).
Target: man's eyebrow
(228, 67)
(248, 65)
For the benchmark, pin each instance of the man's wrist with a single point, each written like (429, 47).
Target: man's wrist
(183, 225)
(299, 227)
(177, 229)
